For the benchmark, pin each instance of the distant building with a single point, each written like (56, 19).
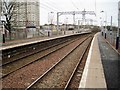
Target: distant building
(26, 16)
(26, 13)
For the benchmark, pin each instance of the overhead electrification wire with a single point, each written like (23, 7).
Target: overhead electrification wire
(53, 5)
(45, 8)
(48, 7)
(74, 5)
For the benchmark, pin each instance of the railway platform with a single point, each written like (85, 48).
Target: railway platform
(102, 66)
(17, 43)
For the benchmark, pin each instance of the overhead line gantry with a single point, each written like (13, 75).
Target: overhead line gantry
(73, 13)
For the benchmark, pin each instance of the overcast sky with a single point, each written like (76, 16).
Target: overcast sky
(110, 8)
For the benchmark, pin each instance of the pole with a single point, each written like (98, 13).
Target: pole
(51, 20)
(102, 26)
(78, 24)
(74, 20)
(83, 17)
(111, 31)
(57, 21)
(105, 24)
(117, 38)
(3, 33)
(66, 23)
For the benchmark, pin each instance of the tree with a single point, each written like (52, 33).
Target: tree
(8, 12)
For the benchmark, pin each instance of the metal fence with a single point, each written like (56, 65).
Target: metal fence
(111, 38)
(22, 34)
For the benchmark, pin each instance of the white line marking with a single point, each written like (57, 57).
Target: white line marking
(85, 72)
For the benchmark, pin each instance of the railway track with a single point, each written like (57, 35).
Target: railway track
(26, 78)
(77, 73)
(15, 65)
(61, 73)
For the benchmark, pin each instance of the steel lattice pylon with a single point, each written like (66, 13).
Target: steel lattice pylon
(73, 13)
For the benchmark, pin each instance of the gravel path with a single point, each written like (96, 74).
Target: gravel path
(25, 76)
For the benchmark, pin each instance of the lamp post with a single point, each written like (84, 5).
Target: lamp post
(105, 22)
(101, 25)
(50, 21)
(50, 18)
(3, 29)
(78, 24)
(111, 31)
(66, 22)
(3, 33)
(117, 38)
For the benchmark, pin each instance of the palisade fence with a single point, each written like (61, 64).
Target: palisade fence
(22, 34)
(111, 38)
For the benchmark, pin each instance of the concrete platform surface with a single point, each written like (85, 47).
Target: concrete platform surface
(111, 63)
(93, 74)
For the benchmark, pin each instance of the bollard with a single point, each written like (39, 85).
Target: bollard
(105, 35)
(117, 42)
(48, 33)
(3, 38)
(102, 33)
